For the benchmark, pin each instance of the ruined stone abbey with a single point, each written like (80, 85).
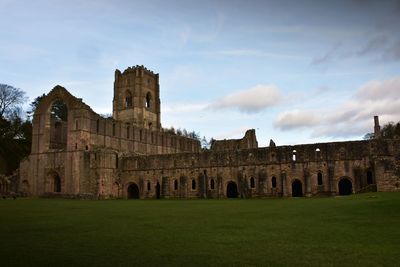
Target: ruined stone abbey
(78, 153)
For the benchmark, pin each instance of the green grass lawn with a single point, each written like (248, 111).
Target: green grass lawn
(360, 230)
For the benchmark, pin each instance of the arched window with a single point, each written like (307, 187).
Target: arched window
(59, 125)
(273, 182)
(212, 184)
(252, 182)
(148, 100)
(76, 124)
(97, 126)
(128, 99)
(128, 132)
(116, 161)
(113, 129)
(319, 178)
(148, 186)
(57, 184)
(193, 184)
(294, 155)
(175, 184)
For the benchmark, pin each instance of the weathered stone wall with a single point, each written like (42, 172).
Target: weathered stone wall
(334, 161)
(388, 164)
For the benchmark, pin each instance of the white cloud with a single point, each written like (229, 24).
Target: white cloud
(388, 89)
(250, 100)
(354, 117)
(373, 98)
(295, 119)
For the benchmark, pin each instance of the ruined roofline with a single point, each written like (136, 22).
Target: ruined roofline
(59, 92)
(283, 147)
(236, 139)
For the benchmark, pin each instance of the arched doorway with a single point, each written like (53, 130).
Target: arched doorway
(57, 184)
(231, 190)
(345, 187)
(297, 188)
(370, 178)
(133, 191)
(319, 178)
(158, 190)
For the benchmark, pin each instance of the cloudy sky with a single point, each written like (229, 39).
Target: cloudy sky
(296, 71)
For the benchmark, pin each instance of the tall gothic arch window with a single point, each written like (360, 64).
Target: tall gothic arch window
(128, 99)
(59, 125)
(148, 101)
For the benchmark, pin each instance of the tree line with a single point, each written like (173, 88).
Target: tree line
(388, 131)
(15, 131)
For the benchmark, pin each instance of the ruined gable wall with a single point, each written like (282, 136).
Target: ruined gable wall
(248, 141)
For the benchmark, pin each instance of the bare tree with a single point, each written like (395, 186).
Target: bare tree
(10, 99)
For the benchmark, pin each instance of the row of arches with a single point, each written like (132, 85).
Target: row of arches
(133, 191)
(345, 187)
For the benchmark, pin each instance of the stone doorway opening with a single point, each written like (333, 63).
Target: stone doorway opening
(370, 178)
(231, 190)
(133, 191)
(158, 190)
(57, 183)
(345, 187)
(297, 188)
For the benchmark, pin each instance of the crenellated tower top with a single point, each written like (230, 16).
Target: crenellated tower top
(137, 97)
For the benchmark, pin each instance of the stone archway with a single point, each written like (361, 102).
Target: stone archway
(345, 187)
(53, 182)
(57, 184)
(297, 188)
(133, 191)
(370, 177)
(232, 190)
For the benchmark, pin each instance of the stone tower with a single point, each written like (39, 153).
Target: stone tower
(137, 98)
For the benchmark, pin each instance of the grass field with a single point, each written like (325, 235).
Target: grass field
(360, 230)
